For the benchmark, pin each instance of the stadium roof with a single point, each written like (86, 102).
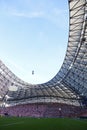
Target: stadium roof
(70, 83)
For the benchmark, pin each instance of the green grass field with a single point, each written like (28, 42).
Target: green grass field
(10, 123)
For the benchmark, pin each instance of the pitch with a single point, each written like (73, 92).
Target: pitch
(16, 123)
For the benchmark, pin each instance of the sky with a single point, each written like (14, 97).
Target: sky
(33, 36)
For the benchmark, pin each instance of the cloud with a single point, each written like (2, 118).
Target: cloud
(56, 16)
(31, 9)
(27, 14)
(40, 9)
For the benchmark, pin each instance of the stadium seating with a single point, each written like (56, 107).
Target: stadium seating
(42, 110)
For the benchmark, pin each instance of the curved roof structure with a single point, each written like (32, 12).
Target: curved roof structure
(70, 83)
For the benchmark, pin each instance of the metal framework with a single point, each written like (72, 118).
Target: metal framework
(70, 83)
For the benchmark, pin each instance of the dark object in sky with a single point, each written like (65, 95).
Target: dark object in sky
(32, 72)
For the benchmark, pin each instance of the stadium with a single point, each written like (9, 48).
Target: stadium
(65, 95)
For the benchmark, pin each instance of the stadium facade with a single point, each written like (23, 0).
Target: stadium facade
(69, 85)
